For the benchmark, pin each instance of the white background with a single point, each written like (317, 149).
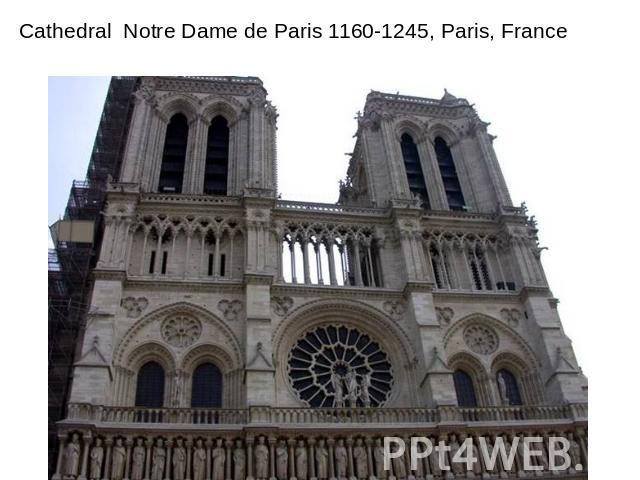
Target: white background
(565, 113)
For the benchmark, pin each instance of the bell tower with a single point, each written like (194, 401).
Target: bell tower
(201, 135)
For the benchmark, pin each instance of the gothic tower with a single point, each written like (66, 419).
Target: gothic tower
(230, 329)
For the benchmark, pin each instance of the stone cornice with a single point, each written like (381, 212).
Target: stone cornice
(441, 296)
(108, 274)
(190, 285)
(535, 291)
(258, 279)
(332, 291)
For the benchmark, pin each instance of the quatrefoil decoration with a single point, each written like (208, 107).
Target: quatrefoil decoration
(181, 330)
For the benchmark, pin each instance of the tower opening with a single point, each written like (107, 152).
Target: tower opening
(217, 161)
(449, 175)
(174, 155)
(412, 166)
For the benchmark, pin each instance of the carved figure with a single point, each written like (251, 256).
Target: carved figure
(137, 468)
(502, 387)
(199, 461)
(179, 459)
(218, 456)
(95, 462)
(282, 459)
(341, 459)
(399, 468)
(72, 456)
(301, 461)
(457, 467)
(378, 456)
(239, 461)
(338, 396)
(157, 461)
(352, 388)
(261, 454)
(118, 455)
(322, 460)
(360, 456)
(177, 389)
(364, 390)
(574, 452)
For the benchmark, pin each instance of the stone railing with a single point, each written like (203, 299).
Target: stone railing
(328, 208)
(298, 416)
(292, 443)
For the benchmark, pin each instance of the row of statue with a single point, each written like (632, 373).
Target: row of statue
(321, 459)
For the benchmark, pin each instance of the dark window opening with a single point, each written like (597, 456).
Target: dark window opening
(165, 257)
(174, 155)
(152, 261)
(206, 388)
(465, 392)
(508, 286)
(150, 386)
(223, 259)
(210, 265)
(412, 166)
(217, 160)
(511, 386)
(449, 175)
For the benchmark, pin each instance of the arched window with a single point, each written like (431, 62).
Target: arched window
(448, 174)
(150, 386)
(217, 163)
(206, 387)
(508, 385)
(412, 166)
(464, 389)
(174, 154)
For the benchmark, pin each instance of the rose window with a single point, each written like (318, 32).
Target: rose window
(480, 339)
(332, 357)
(181, 330)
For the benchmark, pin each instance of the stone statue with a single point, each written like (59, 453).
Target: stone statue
(72, 457)
(177, 389)
(502, 387)
(341, 459)
(507, 446)
(378, 456)
(338, 396)
(322, 460)
(95, 461)
(399, 468)
(157, 461)
(574, 452)
(360, 457)
(458, 468)
(476, 467)
(179, 460)
(218, 456)
(364, 390)
(352, 388)
(137, 468)
(282, 459)
(118, 455)
(301, 461)
(261, 455)
(239, 461)
(199, 461)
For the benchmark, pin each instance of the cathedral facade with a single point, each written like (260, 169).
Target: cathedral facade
(233, 335)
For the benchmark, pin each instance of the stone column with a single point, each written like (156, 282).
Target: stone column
(227, 445)
(249, 442)
(107, 458)
(147, 468)
(332, 261)
(332, 472)
(368, 442)
(58, 474)
(208, 444)
(292, 460)
(292, 250)
(86, 446)
(356, 262)
(272, 457)
(312, 458)
(305, 260)
(189, 445)
(351, 472)
(128, 444)
(167, 468)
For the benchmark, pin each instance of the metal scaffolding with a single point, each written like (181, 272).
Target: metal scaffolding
(70, 263)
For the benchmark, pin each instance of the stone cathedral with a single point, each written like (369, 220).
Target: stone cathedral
(234, 335)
